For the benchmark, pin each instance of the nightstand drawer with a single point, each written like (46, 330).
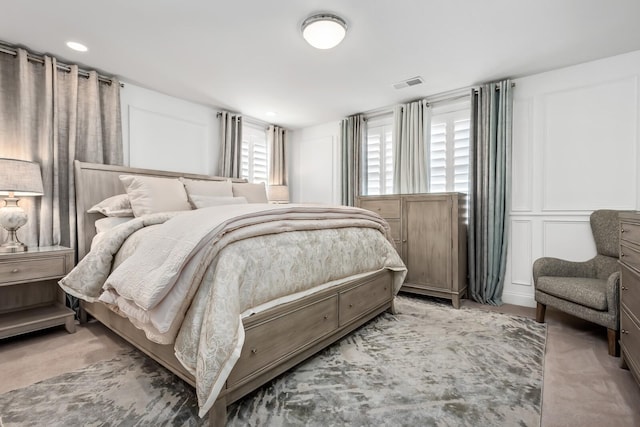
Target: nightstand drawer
(31, 269)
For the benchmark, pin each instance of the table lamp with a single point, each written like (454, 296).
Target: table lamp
(278, 193)
(18, 178)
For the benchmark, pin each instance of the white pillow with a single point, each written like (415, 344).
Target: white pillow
(117, 206)
(201, 187)
(254, 193)
(206, 201)
(105, 224)
(149, 194)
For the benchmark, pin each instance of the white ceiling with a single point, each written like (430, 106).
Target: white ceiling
(248, 55)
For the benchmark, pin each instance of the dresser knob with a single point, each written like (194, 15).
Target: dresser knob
(622, 230)
(621, 255)
(15, 270)
(624, 331)
(326, 316)
(254, 350)
(623, 288)
(350, 305)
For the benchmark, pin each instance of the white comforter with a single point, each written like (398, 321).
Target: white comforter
(192, 278)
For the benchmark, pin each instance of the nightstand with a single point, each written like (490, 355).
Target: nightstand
(30, 298)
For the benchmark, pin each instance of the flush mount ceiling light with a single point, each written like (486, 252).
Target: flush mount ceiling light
(77, 46)
(324, 31)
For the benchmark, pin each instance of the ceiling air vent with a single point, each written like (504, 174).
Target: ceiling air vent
(409, 82)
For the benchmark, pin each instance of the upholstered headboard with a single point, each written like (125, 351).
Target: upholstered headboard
(96, 182)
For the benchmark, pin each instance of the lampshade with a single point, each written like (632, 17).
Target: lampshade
(324, 31)
(278, 193)
(20, 177)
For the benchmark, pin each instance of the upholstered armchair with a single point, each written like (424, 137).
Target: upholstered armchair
(590, 289)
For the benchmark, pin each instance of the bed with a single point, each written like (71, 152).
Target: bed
(274, 334)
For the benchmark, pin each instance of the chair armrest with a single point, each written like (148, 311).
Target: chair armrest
(548, 266)
(613, 296)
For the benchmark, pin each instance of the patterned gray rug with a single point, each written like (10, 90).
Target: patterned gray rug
(429, 365)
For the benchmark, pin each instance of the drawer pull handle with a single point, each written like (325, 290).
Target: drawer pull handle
(624, 331)
(622, 230)
(624, 289)
(621, 255)
(254, 350)
(15, 270)
(350, 305)
(326, 316)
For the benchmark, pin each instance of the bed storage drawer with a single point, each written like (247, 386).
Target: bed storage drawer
(363, 298)
(263, 346)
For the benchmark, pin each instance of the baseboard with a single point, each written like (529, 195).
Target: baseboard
(524, 300)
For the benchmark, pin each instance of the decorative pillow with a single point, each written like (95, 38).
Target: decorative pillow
(206, 201)
(117, 206)
(201, 187)
(254, 193)
(104, 224)
(149, 194)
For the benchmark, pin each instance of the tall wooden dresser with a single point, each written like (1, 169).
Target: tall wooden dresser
(630, 291)
(430, 235)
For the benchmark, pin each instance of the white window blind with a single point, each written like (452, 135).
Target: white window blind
(378, 174)
(254, 159)
(449, 150)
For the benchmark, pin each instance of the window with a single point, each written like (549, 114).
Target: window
(254, 159)
(449, 150)
(378, 173)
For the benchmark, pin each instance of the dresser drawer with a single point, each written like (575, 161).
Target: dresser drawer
(630, 289)
(630, 232)
(385, 208)
(358, 301)
(296, 330)
(630, 256)
(630, 337)
(31, 269)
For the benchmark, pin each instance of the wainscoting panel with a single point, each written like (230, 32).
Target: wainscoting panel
(316, 172)
(522, 161)
(589, 146)
(568, 239)
(165, 142)
(521, 240)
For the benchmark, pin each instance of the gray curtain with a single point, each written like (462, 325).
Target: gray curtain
(230, 144)
(53, 116)
(490, 190)
(351, 143)
(276, 141)
(409, 156)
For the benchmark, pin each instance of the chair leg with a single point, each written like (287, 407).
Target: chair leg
(614, 346)
(540, 311)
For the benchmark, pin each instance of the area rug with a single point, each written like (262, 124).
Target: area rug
(428, 365)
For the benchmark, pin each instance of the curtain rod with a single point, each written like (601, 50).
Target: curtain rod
(64, 67)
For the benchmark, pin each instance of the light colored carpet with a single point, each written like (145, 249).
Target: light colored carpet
(428, 365)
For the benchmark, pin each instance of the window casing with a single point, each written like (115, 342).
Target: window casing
(255, 154)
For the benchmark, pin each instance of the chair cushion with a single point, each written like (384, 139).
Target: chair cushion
(587, 292)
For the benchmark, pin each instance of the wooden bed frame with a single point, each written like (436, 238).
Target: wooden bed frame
(275, 340)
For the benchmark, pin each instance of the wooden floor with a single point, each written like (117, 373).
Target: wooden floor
(583, 385)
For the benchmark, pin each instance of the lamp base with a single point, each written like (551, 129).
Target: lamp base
(12, 247)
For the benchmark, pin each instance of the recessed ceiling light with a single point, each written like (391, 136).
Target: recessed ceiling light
(270, 113)
(324, 31)
(77, 46)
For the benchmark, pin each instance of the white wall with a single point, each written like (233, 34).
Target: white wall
(163, 132)
(314, 164)
(575, 149)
